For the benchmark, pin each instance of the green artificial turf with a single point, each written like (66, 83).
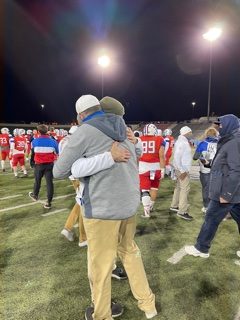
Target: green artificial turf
(43, 276)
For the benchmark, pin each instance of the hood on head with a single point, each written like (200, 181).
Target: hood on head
(228, 124)
(110, 124)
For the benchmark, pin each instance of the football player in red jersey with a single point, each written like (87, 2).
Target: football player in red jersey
(35, 134)
(28, 138)
(18, 146)
(5, 146)
(151, 166)
(169, 140)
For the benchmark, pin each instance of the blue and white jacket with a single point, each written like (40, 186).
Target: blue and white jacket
(206, 150)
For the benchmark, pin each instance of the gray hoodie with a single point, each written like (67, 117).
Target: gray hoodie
(109, 194)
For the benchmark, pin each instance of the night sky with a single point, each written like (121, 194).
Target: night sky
(159, 60)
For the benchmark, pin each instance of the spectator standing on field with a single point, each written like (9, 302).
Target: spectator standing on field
(224, 187)
(45, 150)
(182, 160)
(109, 213)
(205, 153)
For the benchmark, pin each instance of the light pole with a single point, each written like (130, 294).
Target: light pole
(103, 62)
(212, 35)
(193, 105)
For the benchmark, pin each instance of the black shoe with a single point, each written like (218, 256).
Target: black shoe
(88, 313)
(117, 311)
(32, 196)
(184, 216)
(119, 274)
(47, 205)
(175, 209)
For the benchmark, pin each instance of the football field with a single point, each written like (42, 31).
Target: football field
(43, 276)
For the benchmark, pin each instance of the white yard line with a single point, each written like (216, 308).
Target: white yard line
(21, 206)
(10, 197)
(237, 316)
(53, 212)
(33, 203)
(68, 195)
(177, 256)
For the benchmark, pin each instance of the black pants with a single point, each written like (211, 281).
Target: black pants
(40, 170)
(205, 179)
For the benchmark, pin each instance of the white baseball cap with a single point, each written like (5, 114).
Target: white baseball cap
(185, 130)
(85, 102)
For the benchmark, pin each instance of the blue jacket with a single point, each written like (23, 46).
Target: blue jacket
(206, 150)
(225, 170)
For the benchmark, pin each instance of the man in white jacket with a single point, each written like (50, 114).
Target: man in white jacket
(182, 160)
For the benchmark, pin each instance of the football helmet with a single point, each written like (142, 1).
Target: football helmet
(22, 132)
(4, 130)
(167, 132)
(29, 131)
(150, 130)
(16, 132)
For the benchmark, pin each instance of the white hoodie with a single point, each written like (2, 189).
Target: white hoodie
(182, 156)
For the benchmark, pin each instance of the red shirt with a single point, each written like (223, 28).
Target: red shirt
(151, 147)
(4, 140)
(19, 143)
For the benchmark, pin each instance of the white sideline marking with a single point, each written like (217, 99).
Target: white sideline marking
(68, 195)
(33, 203)
(21, 206)
(177, 256)
(237, 317)
(52, 212)
(10, 197)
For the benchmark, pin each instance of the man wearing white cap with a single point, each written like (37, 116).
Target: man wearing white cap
(109, 201)
(182, 160)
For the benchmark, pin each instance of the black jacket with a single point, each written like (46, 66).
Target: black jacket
(225, 170)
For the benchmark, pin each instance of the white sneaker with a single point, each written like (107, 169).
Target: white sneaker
(174, 209)
(238, 253)
(150, 315)
(83, 244)
(67, 234)
(145, 215)
(204, 210)
(192, 251)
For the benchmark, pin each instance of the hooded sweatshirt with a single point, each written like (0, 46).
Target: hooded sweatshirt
(225, 170)
(109, 194)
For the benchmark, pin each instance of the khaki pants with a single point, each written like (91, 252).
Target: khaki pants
(181, 191)
(74, 216)
(106, 240)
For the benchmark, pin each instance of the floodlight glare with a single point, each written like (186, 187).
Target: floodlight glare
(213, 34)
(104, 61)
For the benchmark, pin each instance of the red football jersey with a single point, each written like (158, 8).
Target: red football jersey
(20, 143)
(4, 140)
(171, 141)
(151, 146)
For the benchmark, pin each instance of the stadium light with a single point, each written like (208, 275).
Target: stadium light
(212, 35)
(104, 62)
(193, 106)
